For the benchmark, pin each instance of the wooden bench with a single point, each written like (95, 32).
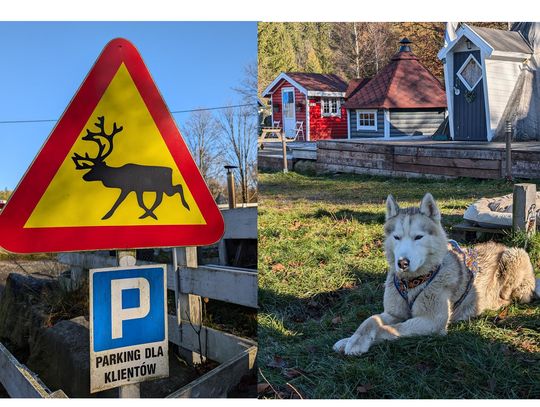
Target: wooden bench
(470, 231)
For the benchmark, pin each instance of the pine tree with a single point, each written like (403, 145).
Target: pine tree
(276, 53)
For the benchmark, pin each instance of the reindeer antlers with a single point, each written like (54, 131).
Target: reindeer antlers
(105, 147)
(101, 126)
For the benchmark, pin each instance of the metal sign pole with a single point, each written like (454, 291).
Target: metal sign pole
(127, 258)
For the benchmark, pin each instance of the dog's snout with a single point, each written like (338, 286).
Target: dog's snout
(403, 263)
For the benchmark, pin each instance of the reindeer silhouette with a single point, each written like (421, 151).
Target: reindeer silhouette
(128, 178)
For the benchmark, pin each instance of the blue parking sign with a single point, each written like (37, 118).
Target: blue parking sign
(128, 307)
(128, 325)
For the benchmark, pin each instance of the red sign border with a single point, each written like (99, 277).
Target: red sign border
(15, 238)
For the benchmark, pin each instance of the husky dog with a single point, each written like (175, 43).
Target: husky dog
(432, 282)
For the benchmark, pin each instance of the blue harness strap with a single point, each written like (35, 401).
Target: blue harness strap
(402, 286)
(470, 259)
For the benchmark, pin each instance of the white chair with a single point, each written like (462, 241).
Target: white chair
(298, 129)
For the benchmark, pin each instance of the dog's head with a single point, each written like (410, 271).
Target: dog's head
(415, 239)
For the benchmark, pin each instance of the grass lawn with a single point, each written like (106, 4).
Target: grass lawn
(321, 272)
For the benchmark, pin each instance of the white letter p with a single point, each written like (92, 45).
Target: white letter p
(119, 314)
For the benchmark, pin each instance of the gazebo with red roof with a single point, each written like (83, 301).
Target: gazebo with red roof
(311, 102)
(402, 99)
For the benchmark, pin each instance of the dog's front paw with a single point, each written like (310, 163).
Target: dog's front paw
(339, 346)
(357, 345)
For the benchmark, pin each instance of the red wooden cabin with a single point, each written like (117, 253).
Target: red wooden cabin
(309, 106)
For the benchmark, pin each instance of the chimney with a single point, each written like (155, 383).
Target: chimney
(405, 45)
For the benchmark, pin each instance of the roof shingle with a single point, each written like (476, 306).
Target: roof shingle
(319, 82)
(505, 41)
(403, 83)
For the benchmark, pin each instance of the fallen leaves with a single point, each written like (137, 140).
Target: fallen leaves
(277, 363)
(364, 388)
(263, 388)
(501, 316)
(296, 225)
(288, 372)
(278, 267)
(291, 373)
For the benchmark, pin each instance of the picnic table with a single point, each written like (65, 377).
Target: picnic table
(270, 133)
(277, 134)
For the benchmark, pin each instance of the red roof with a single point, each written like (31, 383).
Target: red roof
(319, 82)
(403, 83)
(355, 85)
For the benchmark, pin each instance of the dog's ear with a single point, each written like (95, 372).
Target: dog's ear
(429, 208)
(392, 207)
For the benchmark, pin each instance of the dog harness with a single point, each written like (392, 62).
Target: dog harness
(470, 259)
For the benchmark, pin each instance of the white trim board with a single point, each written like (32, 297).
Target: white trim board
(348, 124)
(386, 123)
(307, 135)
(283, 76)
(449, 90)
(489, 131)
(326, 94)
(485, 48)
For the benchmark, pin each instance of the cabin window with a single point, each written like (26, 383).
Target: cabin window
(470, 73)
(330, 107)
(366, 120)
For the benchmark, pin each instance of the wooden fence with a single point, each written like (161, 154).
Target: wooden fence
(438, 160)
(190, 282)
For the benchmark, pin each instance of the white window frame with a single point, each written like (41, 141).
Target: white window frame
(338, 107)
(462, 79)
(363, 127)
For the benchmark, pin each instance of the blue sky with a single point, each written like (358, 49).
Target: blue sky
(42, 64)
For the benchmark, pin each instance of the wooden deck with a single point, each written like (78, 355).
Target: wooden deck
(424, 157)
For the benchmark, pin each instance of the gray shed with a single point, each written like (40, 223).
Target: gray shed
(482, 67)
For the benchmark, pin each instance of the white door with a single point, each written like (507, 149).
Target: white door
(289, 114)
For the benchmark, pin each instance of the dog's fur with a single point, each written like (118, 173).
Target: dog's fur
(416, 234)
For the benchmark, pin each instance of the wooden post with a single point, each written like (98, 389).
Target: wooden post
(188, 306)
(508, 150)
(128, 258)
(284, 145)
(524, 208)
(284, 150)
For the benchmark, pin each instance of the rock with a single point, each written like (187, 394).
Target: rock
(60, 354)
(61, 358)
(305, 167)
(24, 311)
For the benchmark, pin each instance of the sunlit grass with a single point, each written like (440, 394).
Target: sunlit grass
(321, 272)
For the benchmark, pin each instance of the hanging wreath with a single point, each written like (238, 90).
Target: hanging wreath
(470, 96)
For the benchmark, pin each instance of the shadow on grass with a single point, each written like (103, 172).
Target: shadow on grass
(477, 359)
(350, 188)
(365, 217)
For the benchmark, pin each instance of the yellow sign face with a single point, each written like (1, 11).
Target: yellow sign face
(119, 171)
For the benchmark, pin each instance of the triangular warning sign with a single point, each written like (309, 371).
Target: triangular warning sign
(115, 172)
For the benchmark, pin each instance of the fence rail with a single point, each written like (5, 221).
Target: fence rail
(21, 382)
